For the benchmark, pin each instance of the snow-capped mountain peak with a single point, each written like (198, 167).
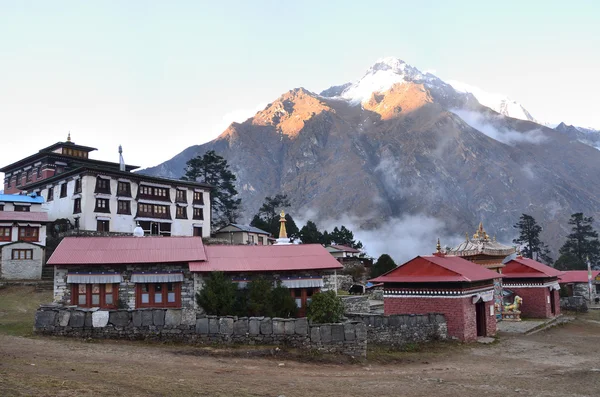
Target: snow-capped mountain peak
(381, 76)
(498, 102)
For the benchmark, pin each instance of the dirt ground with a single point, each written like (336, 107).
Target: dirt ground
(563, 361)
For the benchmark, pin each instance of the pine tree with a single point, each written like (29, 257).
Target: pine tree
(267, 217)
(384, 264)
(582, 242)
(213, 169)
(341, 236)
(309, 234)
(529, 238)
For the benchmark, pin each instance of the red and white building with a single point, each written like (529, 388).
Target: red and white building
(536, 283)
(22, 236)
(577, 284)
(95, 195)
(157, 272)
(462, 291)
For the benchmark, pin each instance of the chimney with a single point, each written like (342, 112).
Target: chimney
(121, 161)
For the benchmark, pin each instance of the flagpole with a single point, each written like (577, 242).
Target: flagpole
(589, 268)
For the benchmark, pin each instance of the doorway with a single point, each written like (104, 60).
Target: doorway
(480, 318)
(552, 303)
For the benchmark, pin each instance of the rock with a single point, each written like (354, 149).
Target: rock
(119, 318)
(254, 326)
(325, 333)
(240, 327)
(266, 326)
(226, 325)
(147, 319)
(158, 317)
(63, 317)
(278, 327)
(188, 317)
(315, 334)
(289, 327)
(301, 326)
(337, 333)
(88, 320)
(77, 319)
(100, 319)
(349, 333)
(44, 319)
(136, 318)
(213, 326)
(173, 317)
(202, 326)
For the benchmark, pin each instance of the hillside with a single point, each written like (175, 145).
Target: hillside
(400, 147)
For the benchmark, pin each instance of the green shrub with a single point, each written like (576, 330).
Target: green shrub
(325, 307)
(259, 297)
(284, 305)
(218, 296)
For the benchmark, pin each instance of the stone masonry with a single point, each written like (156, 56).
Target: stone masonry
(184, 325)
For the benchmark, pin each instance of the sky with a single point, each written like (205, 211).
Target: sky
(157, 76)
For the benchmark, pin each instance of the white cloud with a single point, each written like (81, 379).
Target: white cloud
(497, 132)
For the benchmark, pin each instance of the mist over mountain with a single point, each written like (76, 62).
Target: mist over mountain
(403, 158)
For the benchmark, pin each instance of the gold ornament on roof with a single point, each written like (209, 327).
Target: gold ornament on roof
(480, 234)
(438, 247)
(69, 137)
(282, 231)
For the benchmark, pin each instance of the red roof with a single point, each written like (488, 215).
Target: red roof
(22, 216)
(528, 268)
(127, 250)
(423, 269)
(260, 258)
(576, 276)
(345, 248)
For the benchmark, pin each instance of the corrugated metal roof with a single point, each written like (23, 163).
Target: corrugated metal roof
(576, 276)
(22, 216)
(258, 258)
(21, 198)
(245, 228)
(520, 267)
(127, 250)
(437, 269)
(345, 248)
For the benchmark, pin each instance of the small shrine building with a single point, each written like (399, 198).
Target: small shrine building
(486, 252)
(460, 290)
(536, 283)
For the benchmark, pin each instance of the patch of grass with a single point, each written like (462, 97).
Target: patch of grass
(410, 352)
(17, 309)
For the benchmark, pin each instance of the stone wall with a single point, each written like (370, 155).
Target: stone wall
(581, 289)
(356, 303)
(574, 304)
(184, 325)
(344, 282)
(21, 269)
(399, 330)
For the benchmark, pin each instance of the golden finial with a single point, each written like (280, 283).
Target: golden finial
(69, 137)
(282, 231)
(438, 247)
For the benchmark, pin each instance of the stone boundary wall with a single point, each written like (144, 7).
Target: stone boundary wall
(355, 303)
(574, 304)
(183, 325)
(399, 330)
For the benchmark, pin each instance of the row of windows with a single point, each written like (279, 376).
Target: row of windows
(145, 210)
(28, 177)
(26, 233)
(18, 208)
(107, 295)
(74, 152)
(150, 228)
(21, 254)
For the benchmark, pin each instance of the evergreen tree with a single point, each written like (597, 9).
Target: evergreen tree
(267, 217)
(529, 238)
(213, 169)
(582, 242)
(309, 234)
(384, 264)
(569, 261)
(218, 295)
(259, 297)
(341, 236)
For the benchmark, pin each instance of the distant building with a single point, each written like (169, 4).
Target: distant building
(536, 283)
(576, 284)
(342, 251)
(238, 234)
(107, 197)
(22, 236)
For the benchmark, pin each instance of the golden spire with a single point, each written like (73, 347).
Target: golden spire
(282, 231)
(438, 247)
(69, 137)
